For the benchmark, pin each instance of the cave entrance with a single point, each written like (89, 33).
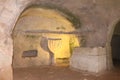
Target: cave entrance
(115, 45)
(42, 37)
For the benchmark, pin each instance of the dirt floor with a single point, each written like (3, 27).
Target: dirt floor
(62, 73)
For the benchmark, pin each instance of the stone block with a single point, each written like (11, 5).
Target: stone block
(6, 73)
(89, 59)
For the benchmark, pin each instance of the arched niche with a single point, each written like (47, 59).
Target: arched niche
(110, 34)
(37, 22)
(115, 45)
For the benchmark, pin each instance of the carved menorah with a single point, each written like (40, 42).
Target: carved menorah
(44, 44)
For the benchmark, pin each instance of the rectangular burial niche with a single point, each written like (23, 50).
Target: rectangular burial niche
(29, 53)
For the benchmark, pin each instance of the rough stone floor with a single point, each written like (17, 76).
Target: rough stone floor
(62, 73)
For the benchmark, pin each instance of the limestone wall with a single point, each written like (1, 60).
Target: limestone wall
(97, 16)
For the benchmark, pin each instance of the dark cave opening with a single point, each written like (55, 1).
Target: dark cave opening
(115, 46)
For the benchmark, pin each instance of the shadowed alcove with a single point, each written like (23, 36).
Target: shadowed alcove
(115, 45)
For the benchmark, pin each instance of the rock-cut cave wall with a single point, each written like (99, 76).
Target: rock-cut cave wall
(97, 18)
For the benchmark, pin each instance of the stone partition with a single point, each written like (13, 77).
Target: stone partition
(5, 67)
(89, 59)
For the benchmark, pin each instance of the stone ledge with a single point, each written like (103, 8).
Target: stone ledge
(95, 51)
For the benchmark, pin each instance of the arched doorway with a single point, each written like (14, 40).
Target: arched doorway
(32, 26)
(115, 45)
